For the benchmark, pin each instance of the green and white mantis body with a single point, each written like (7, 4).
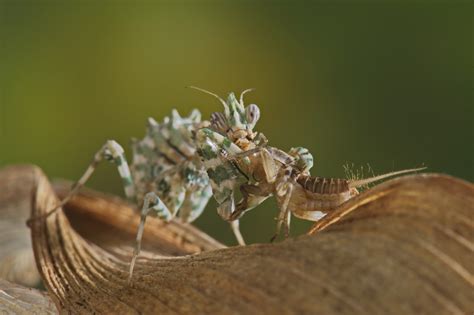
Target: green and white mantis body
(167, 176)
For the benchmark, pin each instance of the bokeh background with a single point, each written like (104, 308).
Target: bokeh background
(386, 84)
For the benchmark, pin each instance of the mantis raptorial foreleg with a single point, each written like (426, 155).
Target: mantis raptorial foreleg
(303, 158)
(224, 175)
(252, 196)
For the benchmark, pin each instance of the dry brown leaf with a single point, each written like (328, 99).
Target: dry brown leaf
(17, 262)
(110, 230)
(404, 247)
(111, 223)
(16, 299)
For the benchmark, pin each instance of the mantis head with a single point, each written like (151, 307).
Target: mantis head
(238, 120)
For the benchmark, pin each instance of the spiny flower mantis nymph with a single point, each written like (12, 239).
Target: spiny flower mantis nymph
(183, 161)
(167, 176)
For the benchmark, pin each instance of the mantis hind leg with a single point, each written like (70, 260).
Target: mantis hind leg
(151, 202)
(174, 198)
(111, 151)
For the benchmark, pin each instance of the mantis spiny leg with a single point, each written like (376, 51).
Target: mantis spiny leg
(112, 152)
(224, 175)
(150, 202)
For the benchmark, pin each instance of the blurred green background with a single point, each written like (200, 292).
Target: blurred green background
(386, 84)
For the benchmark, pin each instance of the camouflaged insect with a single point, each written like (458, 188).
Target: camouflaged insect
(230, 134)
(183, 161)
(167, 175)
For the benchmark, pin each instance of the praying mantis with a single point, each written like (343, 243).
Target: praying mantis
(184, 161)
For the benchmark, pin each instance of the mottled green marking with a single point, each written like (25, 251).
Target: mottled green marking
(127, 181)
(118, 161)
(208, 132)
(221, 173)
(208, 152)
(226, 143)
(222, 194)
(164, 187)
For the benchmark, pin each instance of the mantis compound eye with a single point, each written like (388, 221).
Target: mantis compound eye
(252, 113)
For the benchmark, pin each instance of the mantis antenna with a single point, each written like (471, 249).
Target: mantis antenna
(210, 93)
(243, 93)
